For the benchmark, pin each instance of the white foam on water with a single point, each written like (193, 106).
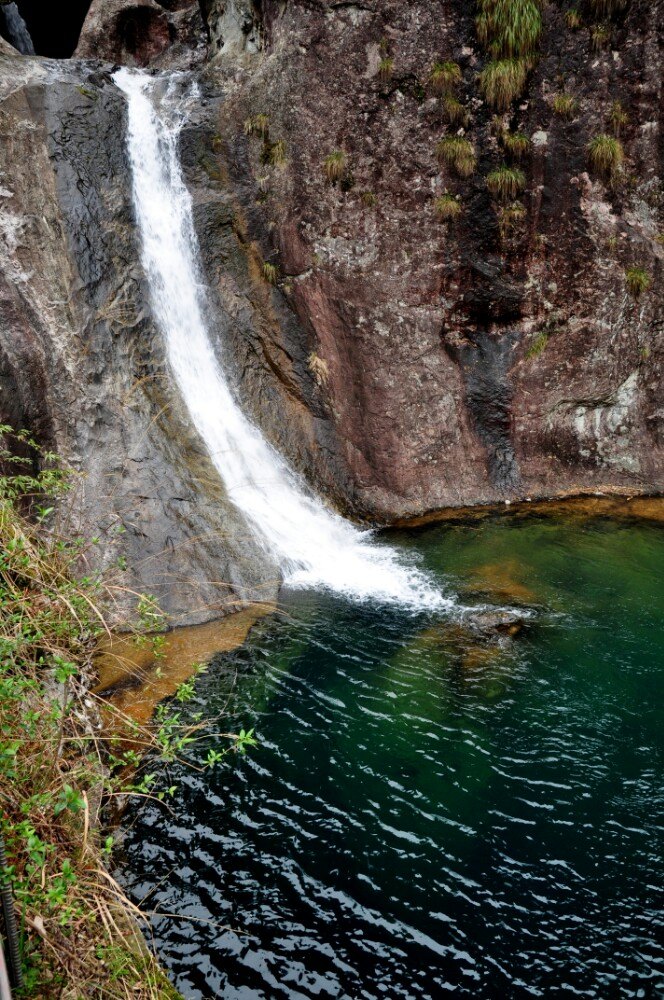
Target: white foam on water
(313, 546)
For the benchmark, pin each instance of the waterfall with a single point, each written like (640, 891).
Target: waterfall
(313, 545)
(17, 30)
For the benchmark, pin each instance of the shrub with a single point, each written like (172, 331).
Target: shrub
(334, 166)
(258, 125)
(509, 28)
(637, 280)
(565, 106)
(503, 80)
(600, 37)
(510, 217)
(385, 69)
(455, 112)
(618, 117)
(447, 208)
(444, 76)
(516, 144)
(605, 154)
(506, 182)
(457, 153)
(573, 19)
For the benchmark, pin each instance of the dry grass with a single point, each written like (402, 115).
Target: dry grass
(335, 166)
(506, 182)
(457, 153)
(516, 144)
(447, 208)
(510, 218)
(565, 106)
(455, 112)
(503, 80)
(606, 155)
(445, 76)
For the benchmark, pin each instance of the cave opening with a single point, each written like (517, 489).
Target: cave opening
(53, 27)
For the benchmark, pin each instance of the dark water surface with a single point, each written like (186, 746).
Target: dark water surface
(431, 811)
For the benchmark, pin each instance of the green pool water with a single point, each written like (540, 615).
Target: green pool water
(431, 809)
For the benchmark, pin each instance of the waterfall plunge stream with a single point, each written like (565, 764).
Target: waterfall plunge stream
(313, 546)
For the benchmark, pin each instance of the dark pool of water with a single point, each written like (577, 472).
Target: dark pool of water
(430, 811)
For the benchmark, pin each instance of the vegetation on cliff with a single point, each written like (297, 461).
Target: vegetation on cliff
(59, 766)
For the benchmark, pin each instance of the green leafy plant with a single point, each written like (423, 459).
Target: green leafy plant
(506, 182)
(637, 280)
(606, 155)
(334, 166)
(445, 76)
(503, 80)
(565, 105)
(447, 208)
(458, 153)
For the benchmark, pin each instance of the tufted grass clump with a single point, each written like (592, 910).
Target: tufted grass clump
(447, 208)
(573, 19)
(605, 154)
(368, 199)
(600, 37)
(516, 144)
(257, 125)
(334, 166)
(618, 118)
(510, 218)
(386, 69)
(509, 29)
(270, 273)
(637, 280)
(445, 76)
(503, 80)
(506, 182)
(458, 153)
(565, 106)
(273, 154)
(455, 112)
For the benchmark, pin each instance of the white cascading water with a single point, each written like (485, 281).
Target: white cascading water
(313, 546)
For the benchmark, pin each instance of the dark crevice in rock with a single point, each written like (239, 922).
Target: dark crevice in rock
(485, 362)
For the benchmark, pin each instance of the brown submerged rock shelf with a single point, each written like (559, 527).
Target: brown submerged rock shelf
(402, 363)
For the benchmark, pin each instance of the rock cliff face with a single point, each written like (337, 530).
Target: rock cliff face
(402, 361)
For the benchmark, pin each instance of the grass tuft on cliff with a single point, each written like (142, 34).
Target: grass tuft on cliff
(458, 153)
(565, 106)
(444, 77)
(509, 28)
(637, 280)
(334, 166)
(607, 8)
(503, 80)
(606, 155)
(455, 112)
(447, 208)
(506, 182)
(516, 144)
(510, 218)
